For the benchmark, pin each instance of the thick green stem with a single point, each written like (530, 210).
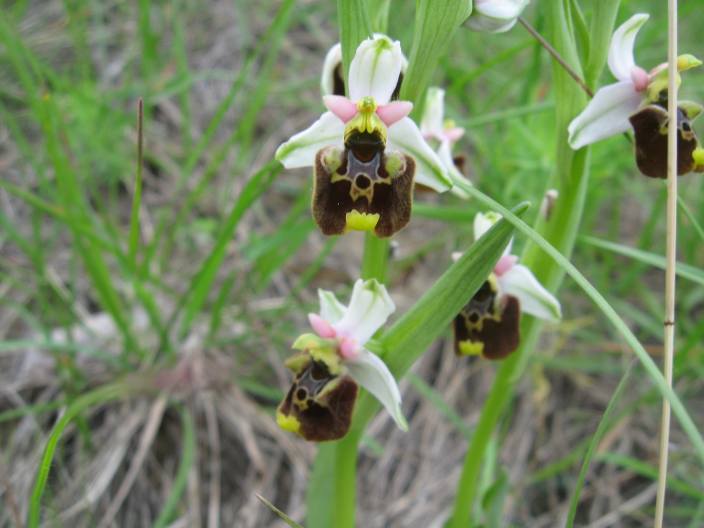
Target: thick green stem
(570, 179)
(374, 266)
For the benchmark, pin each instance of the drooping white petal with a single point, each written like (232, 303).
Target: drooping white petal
(606, 114)
(535, 300)
(445, 155)
(331, 309)
(300, 150)
(431, 124)
(495, 16)
(369, 371)
(370, 306)
(332, 58)
(405, 136)
(375, 69)
(621, 61)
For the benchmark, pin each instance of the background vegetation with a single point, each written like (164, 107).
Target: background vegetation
(158, 311)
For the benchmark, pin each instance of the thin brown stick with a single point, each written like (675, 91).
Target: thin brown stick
(671, 255)
(555, 55)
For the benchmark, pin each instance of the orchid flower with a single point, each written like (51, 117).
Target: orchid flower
(333, 361)
(608, 113)
(365, 151)
(489, 324)
(495, 16)
(443, 132)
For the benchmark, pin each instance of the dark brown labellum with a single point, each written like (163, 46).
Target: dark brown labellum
(319, 405)
(487, 326)
(650, 125)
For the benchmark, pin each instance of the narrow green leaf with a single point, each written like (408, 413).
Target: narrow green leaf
(98, 396)
(602, 26)
(435, 25)
(355, 26)
(685, 271)
(200, 285)
(179, 486)
(601, 430)
(137, 197)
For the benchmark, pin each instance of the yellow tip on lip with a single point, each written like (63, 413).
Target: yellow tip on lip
(288, 423)
(471, 348)
(361, 221)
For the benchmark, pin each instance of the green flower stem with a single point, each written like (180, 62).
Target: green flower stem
(374, 266)
(570, 178)
(375, 259)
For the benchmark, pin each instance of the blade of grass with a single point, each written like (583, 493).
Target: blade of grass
(188, 449)
(685, 271)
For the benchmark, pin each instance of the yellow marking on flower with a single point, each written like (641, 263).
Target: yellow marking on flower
(288, 423)
(698, 157)
(366, 120)
(687, 62)
(361, 221)
(471, 348)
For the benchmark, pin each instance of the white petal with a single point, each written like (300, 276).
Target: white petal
(431, 124)
(368, 370)
(535, 300)
(370, 306)
(482, 224)
(495, 16)
(445, 155)
(375, 69)
(332, 59)
(300, 150)
(405, 136)
(621, 61)
(606, 114)
(331, 309)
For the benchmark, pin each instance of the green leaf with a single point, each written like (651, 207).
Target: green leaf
(355, 26)
(601, 430)
(602, 26)
(436, 23)
(200, 285)
(404, 342)
(179, 486)
(685, 271)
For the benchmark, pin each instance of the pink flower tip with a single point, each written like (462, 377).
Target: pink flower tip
(348, 348)
(453, 134)
(321, 326)
(504, 264)
(394, 111)
(340, 106)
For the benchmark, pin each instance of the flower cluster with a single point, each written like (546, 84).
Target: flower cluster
(638, 100)
(488, 325)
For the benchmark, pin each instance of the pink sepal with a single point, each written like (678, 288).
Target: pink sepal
(321, 326)
(504, 264)
(453, 134)
(348, 348)
(640, 79)
(340, 106)
(394, 111)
